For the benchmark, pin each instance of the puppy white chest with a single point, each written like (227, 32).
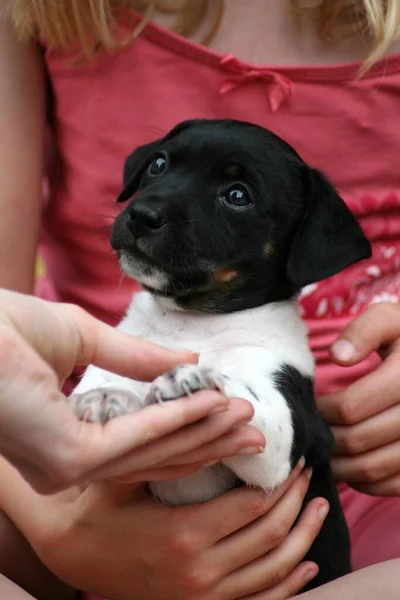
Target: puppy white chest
(243, 351)
(275, 330)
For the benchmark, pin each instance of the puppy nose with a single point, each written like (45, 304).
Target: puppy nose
(143, 219)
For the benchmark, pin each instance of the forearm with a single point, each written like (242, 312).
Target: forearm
(378, 581)
(9, 590)
(22, 109)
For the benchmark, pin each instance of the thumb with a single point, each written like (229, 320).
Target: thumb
(377, 328)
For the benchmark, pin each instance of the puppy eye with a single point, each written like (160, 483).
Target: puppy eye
(237, 196)
(158, 166)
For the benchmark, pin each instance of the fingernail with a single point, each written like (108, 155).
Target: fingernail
(194, 355)
(343, 350)
(220, 408)
(323, 511)
(308, 473)
(310, 573)
(251, 450)
(242, 421)
(210, 463)
(301, 462)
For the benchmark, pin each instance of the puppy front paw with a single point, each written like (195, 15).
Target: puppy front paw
(185, 380)
(103, 404)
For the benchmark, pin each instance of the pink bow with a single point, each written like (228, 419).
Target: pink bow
(278, 87)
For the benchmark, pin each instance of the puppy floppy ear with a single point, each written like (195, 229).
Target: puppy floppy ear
(329, 238)
(134, 168)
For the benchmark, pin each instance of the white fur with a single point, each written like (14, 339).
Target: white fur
(150, 276)
(248, 347)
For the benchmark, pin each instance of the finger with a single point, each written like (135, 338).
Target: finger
(386, 487)
(294, 583)
(110, 349)
(271, 569)
(95, 447)
(236, 509)
(370, 467)
(261, 536)
(378, 326)
(243, 439)
(372, 433)
(185, 440)
(365, 398)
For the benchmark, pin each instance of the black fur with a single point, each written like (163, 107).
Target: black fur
(219, 257)
(297, 229)
(314, 440)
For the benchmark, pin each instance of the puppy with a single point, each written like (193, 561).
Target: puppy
(225, 224)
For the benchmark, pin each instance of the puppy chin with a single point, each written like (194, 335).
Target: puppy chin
(144, 273)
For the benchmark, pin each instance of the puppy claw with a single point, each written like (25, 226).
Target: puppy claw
(87, 415)
(185, 388)
(218, 386)
(158, 396)
(185, 381)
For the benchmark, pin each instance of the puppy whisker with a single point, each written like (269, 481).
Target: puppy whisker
(155, 130)
(102, 228)
(120, 281)
(105, 216)
(110, 200)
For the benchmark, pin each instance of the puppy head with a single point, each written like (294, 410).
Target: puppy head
(224, 215)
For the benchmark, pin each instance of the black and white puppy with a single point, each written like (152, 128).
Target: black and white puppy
(225, 224)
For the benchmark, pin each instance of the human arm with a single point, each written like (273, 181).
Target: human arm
(22, 124)
(365, 417)
(378, 581)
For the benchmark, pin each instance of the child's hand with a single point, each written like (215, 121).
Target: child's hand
(119, 542)
(365, 418)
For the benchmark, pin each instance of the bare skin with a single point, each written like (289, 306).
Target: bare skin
(243, 546)
(13, 592)
(378, 581)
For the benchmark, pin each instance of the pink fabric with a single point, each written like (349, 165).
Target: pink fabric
(349, 129)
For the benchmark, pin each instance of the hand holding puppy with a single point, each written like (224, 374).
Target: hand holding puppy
(365, 417)
(119, 542)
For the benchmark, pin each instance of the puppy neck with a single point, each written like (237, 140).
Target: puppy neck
(225, 294)
(151, 308)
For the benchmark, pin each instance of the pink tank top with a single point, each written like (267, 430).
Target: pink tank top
(349, 129)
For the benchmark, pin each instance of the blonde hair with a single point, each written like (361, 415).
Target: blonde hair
(93, 23)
